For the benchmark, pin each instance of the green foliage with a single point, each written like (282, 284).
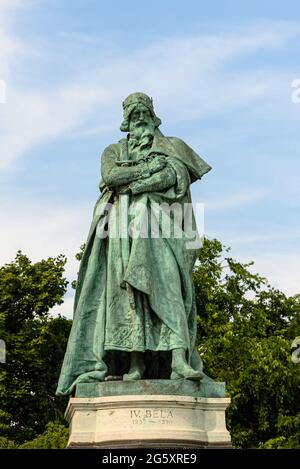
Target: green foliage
(245, 331)
(54, 437)
(30, 289)
(5, 443)
(245, 334)
(35, 345)
(78, 257)
(4, 421)
(289, 430)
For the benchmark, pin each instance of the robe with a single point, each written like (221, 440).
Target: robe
(136, 293)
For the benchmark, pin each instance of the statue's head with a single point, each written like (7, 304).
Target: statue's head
(139, 113)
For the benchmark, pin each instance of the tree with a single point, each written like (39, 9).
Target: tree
(245, 332)
(246, 328)
(35, 345)
(54, 437)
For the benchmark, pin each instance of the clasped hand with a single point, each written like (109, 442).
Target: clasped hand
(156, 162)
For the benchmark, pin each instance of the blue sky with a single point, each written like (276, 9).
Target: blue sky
(220, 74)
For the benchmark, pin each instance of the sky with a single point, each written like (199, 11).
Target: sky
(221, 74)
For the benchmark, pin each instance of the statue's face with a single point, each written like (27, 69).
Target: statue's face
(140, 120)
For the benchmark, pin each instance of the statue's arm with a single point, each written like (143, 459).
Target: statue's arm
(114, 175)
(164, 179)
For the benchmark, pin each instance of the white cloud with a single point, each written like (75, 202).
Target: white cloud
(236, 200)
(280, 268)
(41, 230)
(33, 118)
(187, 76)
(11, 4)
(9, 45)
(274, 254)
(65, 309)
(16, 4)
(254, 238)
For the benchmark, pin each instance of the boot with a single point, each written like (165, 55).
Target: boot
(180, 368)
(137, 367)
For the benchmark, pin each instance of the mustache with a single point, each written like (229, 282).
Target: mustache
(142, 122)
(142, 136)
(143, 130)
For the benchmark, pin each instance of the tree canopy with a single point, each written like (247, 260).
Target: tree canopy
(35, 345)
(245, 331)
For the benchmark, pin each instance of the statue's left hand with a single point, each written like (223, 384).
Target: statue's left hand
(135, 187)
(157, 163)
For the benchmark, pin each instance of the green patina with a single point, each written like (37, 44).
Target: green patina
(134, 311)
(207, 387)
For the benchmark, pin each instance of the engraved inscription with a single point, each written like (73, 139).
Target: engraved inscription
(156, 416)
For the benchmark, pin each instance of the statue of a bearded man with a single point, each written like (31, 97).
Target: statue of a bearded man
(135, 311)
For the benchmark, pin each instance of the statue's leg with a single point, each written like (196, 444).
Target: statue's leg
(180, 368)
(137, 367)
(112, 359)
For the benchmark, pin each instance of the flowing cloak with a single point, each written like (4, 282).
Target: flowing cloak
(156, 310)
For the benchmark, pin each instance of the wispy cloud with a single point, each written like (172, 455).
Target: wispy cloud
(276, 254)
(280, 268)
(236, 200)
(12, 4)
(182, 73)
(190, 78)
(41, 229)
(6, 5)
(65, 309)
(249, 239)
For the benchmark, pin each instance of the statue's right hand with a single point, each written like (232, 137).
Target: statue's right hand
(157, 163)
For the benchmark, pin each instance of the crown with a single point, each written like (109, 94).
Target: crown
(135, 98)
(128, 105)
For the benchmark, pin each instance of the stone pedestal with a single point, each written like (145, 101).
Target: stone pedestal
(149, 416)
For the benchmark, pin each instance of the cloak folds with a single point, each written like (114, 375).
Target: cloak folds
(146, 303)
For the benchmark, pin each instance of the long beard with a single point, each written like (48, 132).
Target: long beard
(142, 135)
